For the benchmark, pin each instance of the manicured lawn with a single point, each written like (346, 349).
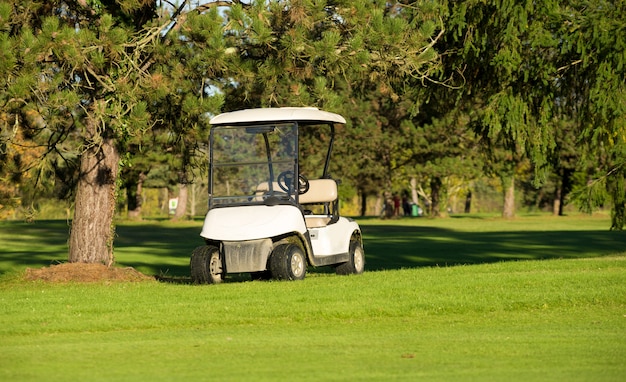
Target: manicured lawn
(466, 298)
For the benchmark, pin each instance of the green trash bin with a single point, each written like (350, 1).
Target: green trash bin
(414, 210)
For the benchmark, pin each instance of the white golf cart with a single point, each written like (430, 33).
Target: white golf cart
(265, 217)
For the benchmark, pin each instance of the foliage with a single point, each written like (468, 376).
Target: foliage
(594, 52)
(432, 90)
(78, 71)
(355, 58)
(528, 65)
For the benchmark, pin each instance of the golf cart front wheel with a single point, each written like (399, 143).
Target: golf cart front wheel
(206, 265)
(288, 262)
(356, 260)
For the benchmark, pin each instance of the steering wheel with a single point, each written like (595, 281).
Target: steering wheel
(285, 182)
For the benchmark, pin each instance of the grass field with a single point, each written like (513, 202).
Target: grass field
(466, 298)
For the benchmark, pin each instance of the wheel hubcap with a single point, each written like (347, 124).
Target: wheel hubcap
(358, 260)
(215, 266)
(297, 265)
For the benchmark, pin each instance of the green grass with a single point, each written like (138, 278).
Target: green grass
(466, 298)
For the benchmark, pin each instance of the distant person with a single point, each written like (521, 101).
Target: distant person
(387, 211)
(396, 205)
(406, 205)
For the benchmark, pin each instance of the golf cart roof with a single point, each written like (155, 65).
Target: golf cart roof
(283, 114)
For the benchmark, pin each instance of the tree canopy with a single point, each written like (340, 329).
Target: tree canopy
(432, 90)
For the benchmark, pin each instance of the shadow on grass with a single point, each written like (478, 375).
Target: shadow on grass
(157, 249)
(164, 249)
(400, 246)
(151, 247)
(38, 244)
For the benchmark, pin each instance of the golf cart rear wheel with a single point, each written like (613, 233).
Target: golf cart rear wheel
(356, 261)
(288, 262)
(206, 265)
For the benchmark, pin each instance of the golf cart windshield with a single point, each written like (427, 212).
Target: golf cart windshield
(253, 164)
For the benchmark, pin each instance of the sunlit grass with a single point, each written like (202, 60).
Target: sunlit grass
(537, 320)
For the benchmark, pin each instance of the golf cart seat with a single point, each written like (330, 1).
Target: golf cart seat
(264, 188)
(320, 191)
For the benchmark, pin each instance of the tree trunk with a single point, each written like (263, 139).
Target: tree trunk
(363, 202)
(616, 185)
(134, 190)
(435, 191)
(556, 201)
(192, 213)
(508, 186)
(92, 232)
(379, 205)
(468, 202)
(181, 207)
(414, 197)
(565, 188)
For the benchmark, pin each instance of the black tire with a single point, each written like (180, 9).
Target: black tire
(206, 265)
(356, 262)
(288, 262)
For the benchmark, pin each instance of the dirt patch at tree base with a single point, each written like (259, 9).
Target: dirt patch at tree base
(85, 273)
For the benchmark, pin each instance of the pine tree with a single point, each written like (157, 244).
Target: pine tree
(85, 68)
(592, 74)
(356, 58)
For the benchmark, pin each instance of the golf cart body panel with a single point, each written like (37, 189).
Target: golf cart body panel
(252, 222)
(264, 215)
(329, 239)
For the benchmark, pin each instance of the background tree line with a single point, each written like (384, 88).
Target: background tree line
(101, 97)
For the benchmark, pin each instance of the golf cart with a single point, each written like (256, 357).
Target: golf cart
(265, 217)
